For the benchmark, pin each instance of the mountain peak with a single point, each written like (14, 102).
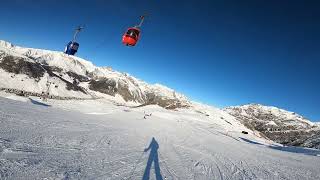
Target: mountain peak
(60, 75)
(6, 44)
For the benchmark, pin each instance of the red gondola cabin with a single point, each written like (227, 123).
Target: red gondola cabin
(131, 37)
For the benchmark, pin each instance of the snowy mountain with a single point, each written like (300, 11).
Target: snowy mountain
(56, 75)
(278, 125)
(61, 117)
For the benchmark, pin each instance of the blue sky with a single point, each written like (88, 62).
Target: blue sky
(225, 52)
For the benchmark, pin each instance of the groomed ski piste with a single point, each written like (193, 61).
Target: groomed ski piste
(95, 139)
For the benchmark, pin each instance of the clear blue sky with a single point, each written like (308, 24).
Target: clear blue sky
(217, 52)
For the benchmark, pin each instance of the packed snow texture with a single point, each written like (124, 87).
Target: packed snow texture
(94, 139)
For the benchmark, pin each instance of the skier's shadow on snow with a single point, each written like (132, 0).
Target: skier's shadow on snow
(38, 103)
(153, 157)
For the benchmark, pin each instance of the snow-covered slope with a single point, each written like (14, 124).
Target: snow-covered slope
(58, 74)
(277, 124)
(95, 139)
(97, 123)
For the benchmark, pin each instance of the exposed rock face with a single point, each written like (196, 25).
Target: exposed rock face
(19, 65)
(77, 77)
(281, 126)
(122, 87)
(109, 86)
(313, 141)
(168, 103)
(60, 75)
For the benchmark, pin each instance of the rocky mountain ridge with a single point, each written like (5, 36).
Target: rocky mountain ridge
(51, 74)
(279, 125)
(57, 74)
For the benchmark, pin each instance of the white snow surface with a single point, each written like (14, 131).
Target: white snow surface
(95, 139)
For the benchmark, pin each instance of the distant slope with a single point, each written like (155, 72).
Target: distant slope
(278, 125)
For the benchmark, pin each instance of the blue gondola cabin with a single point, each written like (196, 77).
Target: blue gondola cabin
(71, 48)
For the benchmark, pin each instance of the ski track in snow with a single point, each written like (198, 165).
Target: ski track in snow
(38, 142)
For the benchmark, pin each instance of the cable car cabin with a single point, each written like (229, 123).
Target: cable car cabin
(131, 37)
(71, 48)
